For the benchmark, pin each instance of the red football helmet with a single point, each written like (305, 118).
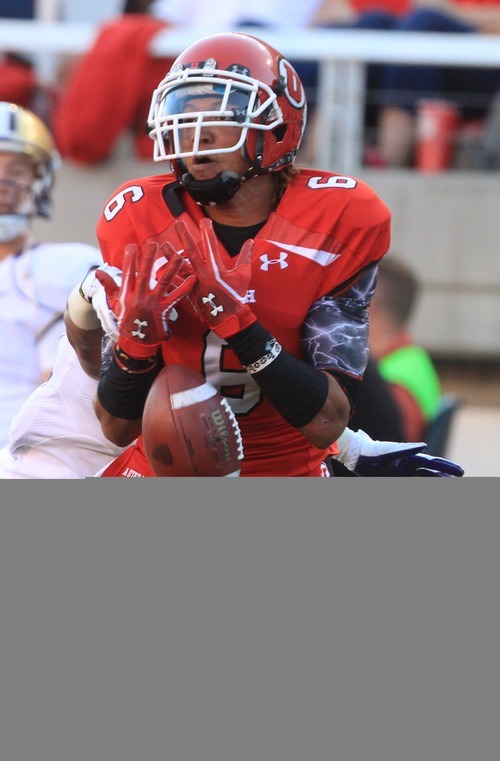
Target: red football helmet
(248, 85)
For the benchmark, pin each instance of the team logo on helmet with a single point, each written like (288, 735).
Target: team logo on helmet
(294, 91)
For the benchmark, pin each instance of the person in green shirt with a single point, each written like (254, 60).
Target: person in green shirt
(402, 361)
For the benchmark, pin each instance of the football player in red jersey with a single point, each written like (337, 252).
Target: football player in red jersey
(270, 269)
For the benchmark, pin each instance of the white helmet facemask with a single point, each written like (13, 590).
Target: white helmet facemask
(238, 106)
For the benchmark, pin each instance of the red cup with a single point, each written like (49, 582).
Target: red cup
(437, 122)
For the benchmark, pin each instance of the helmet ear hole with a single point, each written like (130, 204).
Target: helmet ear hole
(279, 132)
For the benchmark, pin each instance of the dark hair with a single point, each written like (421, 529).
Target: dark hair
(136, 6)
(397, 288)
(282, 180)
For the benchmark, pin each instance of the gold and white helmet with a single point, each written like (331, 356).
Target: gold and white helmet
(21, 131)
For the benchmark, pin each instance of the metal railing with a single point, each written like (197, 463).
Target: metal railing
(342, 56)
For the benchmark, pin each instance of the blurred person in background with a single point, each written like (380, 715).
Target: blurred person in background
(402, 361)
(376, 15)
(35, 278)
(393, 90)
(378, 412)
(18, 78)
(87, 88)
(471, 88)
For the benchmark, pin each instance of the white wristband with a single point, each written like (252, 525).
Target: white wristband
(273, 351)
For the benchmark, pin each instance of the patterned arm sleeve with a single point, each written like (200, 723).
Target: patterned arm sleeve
(335, 332)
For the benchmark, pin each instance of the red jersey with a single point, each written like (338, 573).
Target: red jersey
(18, 81)
(121, 45)
(394, 7)
(325, 231)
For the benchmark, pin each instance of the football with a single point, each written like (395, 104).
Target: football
(188, 428)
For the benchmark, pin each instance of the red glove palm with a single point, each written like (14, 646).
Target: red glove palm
(219, 295)
(143, 305)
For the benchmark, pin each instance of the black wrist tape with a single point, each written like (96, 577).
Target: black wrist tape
(123, 393)
(294, 388)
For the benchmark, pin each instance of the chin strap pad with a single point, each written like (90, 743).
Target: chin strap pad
(211, 192)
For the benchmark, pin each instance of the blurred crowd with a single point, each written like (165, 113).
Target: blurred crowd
(87, 84)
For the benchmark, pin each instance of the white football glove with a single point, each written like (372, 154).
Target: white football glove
(95, 294)
(365, 456)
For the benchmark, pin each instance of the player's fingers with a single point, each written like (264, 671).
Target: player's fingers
(246, 253)
(129, 255)
(129, 268)
(105, 279)
(168, 250)
(149, 254)
(440, 464)
(109, 284)
(185, 267)
(169, 270)
(185, 287)
(191, 249)
(210, 244)
(428, 473)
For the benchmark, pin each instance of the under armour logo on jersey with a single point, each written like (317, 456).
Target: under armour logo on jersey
(266, 261)
(140, 325)
(210, 300)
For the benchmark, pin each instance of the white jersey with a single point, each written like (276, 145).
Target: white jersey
(56, 433)
(34, 287)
